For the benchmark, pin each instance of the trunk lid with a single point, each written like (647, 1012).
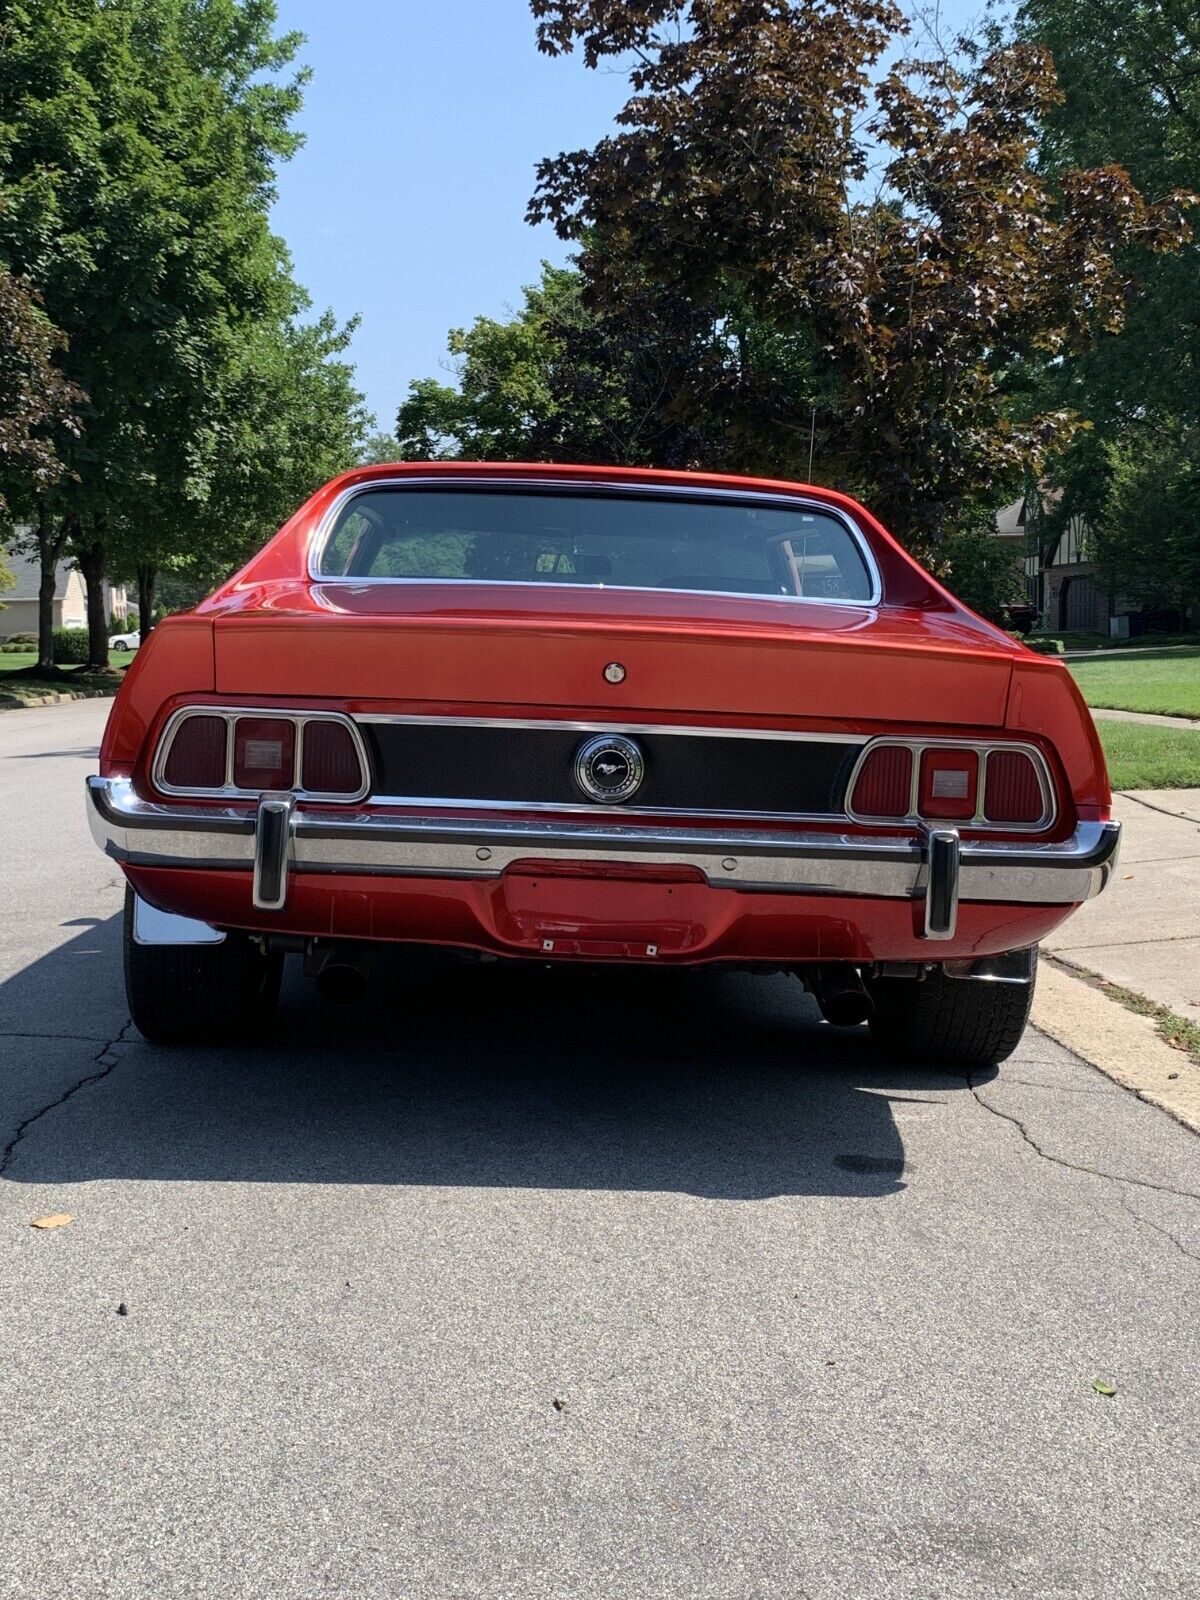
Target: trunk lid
(709, 657)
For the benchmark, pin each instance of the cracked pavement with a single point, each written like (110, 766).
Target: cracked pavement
(555, 1285)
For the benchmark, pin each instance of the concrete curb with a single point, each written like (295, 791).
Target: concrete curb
(1117, 1042)
(54, 697)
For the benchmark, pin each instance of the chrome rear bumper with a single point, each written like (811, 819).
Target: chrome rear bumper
(283, 838)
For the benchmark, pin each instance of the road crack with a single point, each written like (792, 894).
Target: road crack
(1075, 1166)
(104, 1059)
(1122, 1180)
(1112, 1093)
(79, 1038)
(1158, 1227)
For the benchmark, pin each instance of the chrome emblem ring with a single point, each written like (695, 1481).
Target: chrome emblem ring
(609, 768)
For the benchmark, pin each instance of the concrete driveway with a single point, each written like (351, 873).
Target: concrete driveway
(563, 1286)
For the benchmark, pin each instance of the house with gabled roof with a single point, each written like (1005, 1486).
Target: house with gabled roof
(19, 605)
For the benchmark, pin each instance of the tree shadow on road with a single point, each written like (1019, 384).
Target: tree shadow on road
(725, 1086)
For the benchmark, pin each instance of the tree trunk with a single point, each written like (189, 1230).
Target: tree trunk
(91, 564)
(51, 541)
(147, 577)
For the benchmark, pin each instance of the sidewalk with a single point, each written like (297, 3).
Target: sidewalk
(1153, 718)
(1143, 932)
(1121, 650)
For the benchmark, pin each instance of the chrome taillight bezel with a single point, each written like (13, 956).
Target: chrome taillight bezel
(984, 748)
(230, 790)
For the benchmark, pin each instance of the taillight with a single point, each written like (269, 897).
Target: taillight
(264, 753)
(989, 785)
(883, 787)
(1013, 792)
(949, 787)
(316, 753)
(329, 762)
(196, 759)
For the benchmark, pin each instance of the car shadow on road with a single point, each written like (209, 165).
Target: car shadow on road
(727, 1086)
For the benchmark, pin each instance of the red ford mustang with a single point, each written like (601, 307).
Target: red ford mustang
(598, 715)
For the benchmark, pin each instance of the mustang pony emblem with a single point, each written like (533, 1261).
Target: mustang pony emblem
(609, 768)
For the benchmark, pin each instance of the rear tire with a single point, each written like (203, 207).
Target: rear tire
(956, 1022)
(224, 993)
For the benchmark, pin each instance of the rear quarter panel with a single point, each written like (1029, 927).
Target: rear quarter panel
(177, 658)
(1045, 701)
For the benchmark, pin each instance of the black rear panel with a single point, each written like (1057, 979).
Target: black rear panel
(536, 766)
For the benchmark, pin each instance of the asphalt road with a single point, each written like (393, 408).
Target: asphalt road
(560, 1286)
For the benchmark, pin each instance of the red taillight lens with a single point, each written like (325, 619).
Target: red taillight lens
(1013, 793)
(196, 759)
(949, 784)
(329, 763)
(264, 753)
(883, 787)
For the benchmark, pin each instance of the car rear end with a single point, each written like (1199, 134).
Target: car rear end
(580, 770)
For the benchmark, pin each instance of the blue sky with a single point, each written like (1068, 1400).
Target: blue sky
(424, 121)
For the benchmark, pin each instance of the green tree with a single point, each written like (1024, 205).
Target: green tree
(138, 140)
(1129, 76)
(36, 403)
(289, 418)
(737, 179)
(378, 448)
(543, 384)
(659, 379)
(979, 569)
(1146, 537)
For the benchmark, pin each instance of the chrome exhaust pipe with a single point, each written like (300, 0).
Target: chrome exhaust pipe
(841, 995)
(342, 977)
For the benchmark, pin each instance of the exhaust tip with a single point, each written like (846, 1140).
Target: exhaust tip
(841, 995)
(342, 980)
(847, 1009)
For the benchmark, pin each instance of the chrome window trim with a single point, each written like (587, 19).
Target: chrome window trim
(984, 748)
(320, 538)
(565, 725)
(229, 790)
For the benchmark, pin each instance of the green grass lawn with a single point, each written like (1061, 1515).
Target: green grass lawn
(16, 691)
(1167, 681)
(1146, 757)
(13, 660)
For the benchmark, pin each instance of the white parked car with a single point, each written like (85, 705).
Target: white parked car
(125, 641)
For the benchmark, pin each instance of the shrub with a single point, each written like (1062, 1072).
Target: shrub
(23, 639)
(976, 567)
(70, 646)
(11, 649)
(1045, 646)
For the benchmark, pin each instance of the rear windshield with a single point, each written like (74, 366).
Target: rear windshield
(618, 541)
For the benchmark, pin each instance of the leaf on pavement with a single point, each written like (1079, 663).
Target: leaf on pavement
(58, 1219)
(1101, 1387)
